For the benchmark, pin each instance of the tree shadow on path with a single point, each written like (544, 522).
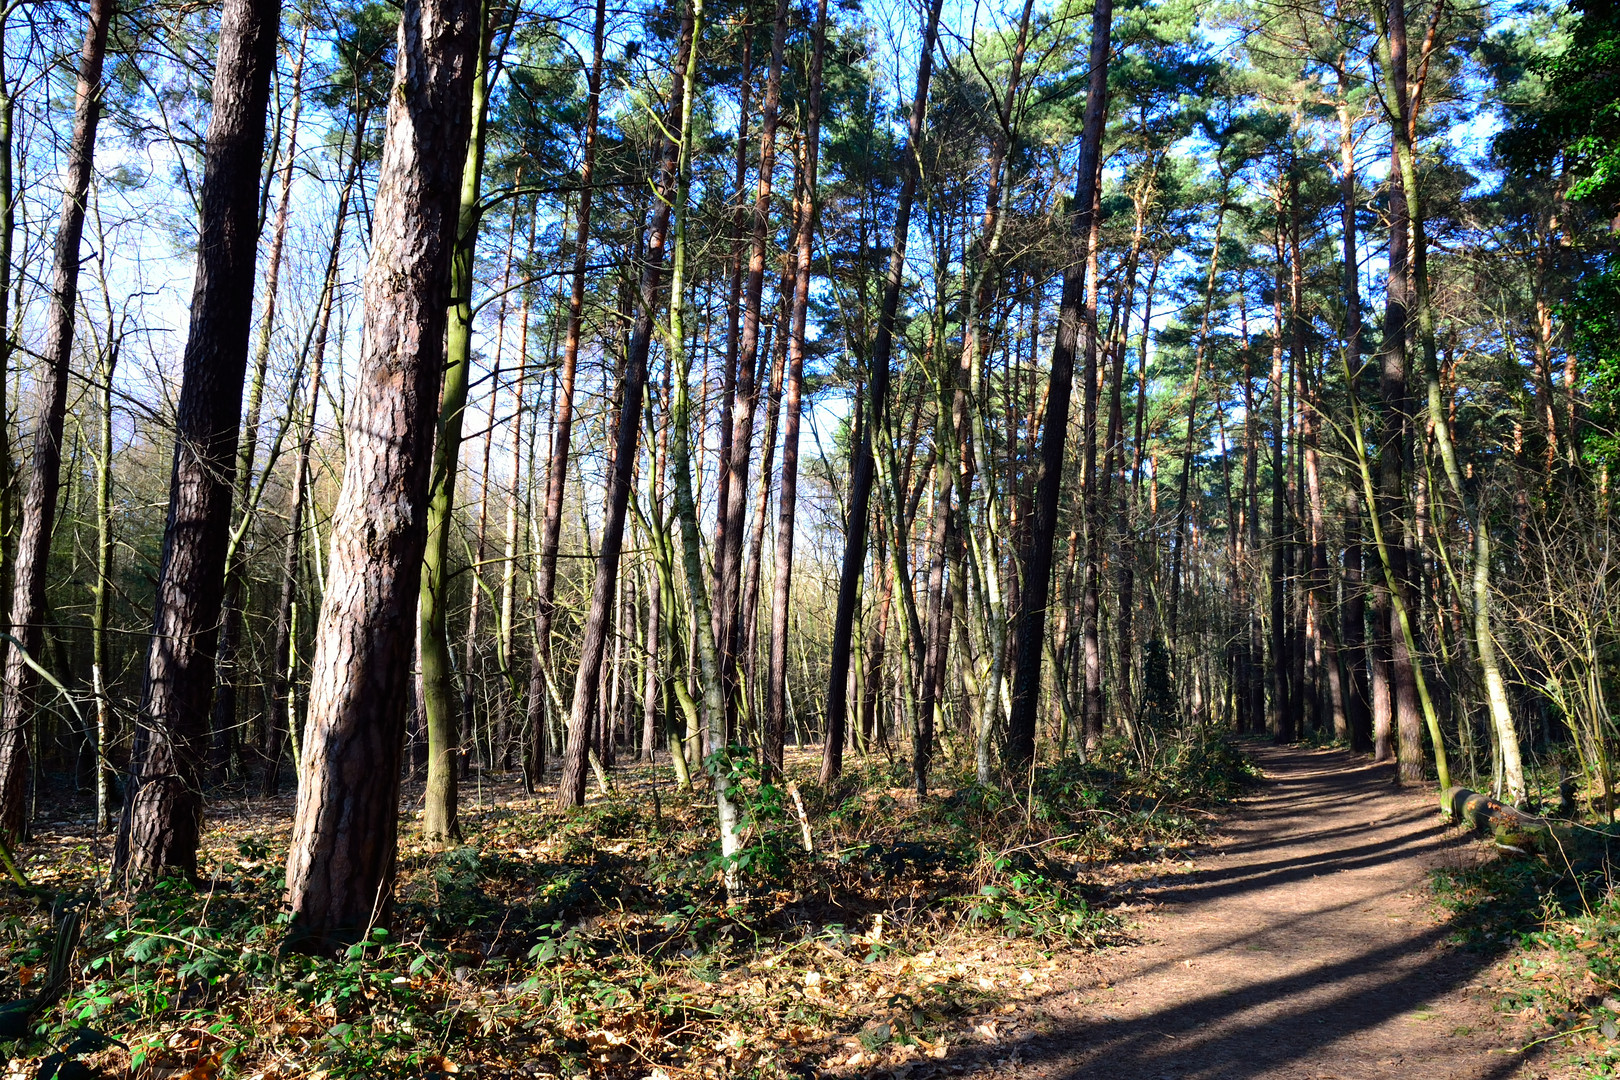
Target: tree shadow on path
(1303, 948)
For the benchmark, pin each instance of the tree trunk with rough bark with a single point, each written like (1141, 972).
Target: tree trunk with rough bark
(729, 557)
(593, 637)
(163, 804)
(340, 866)
(875, 406)
(227, 677)
(776, 704)
(1396, 404)
(44, 472)
(1037, 557)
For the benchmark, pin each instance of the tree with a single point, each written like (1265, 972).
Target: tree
(875, 408)
(44, 473)
(593, 643)
(340, 866)
(162, 817)
(1077, 315)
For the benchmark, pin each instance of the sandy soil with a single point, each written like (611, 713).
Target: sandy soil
(1304, 946)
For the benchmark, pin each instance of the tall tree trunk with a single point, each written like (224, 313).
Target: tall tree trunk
(1281, 720)
(44, 473)
(340, 866)
(1393, 391)
(227, 676)
(1076, 308)
(735, 470)
(1403, 617)
(749, 628)
(8, 222)
(163, 806)
(439, 699)
(876, 408)
(545, 586)
(680, 458)
(734, 305)
(281, 719)
(1357, 670)
(1128, 508)
(776, 703)
(1188, 451)
(1091, 702)
(593, 642)
(1496, 698)
(101, 615)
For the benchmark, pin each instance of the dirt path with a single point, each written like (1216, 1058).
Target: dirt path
(1303, 947)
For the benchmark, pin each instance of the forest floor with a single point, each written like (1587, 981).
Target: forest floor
(1175, 922)
(1305, 944)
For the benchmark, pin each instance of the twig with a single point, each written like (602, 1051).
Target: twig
(1557, 1035)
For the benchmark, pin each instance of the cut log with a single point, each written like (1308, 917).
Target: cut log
(1482, 811)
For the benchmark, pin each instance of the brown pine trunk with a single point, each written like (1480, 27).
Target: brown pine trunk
(876, 405)
(281, 718)
(340, 867)
(225, 693)
(1128, 499)
(44, 474)
(1280, 719)
(1396, 427)
(734, 304)
(1183, 506)
(735, 468)
(776, 703)
(1077, 308)
(163, 806)
(749, 629)
(593, 639)
(1354, 612)
(545, 586)
(1091, 694)
(1320, 588)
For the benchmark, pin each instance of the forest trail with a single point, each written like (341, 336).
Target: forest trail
(1304, 946)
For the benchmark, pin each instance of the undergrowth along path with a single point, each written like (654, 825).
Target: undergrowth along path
(1304, 945)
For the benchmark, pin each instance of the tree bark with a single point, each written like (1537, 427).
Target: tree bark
(1280, 720)
(1394, 393)
(227, 677)
(876, 405)
(1037, 560)
(749, 629)
(44, 473)
(734, 506)
(593, 641)
(340, 867)
(163, 804)
(776, 705)
(545, 585)
(1357, 670)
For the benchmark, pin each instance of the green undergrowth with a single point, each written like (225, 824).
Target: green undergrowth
(1554, 916)
(600, 941)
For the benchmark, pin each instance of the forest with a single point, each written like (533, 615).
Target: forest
(625, 471)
